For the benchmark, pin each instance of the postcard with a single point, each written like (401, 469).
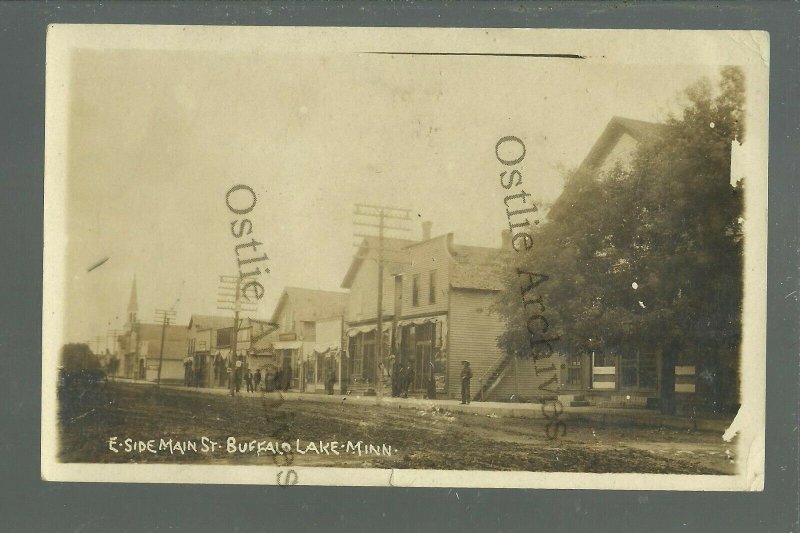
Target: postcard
(412, 257)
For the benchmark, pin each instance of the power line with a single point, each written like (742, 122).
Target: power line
(376, 217)
(230, 298)
(165, 315)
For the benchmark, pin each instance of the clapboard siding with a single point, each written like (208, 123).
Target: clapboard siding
(363, 302)
(473, 336)
(525, 383)
(427, 257)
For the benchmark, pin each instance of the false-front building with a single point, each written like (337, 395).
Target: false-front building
(437, 311)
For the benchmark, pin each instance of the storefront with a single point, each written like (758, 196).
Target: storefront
(630, 371)
(322, 368)
(288, 357)
(634, 375)
(421, 347)
(360, 370)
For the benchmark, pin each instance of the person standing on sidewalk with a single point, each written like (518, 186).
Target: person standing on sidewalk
(257, 379)
(248, 379)
(466, 375)
(401, 382)
(287, 378)
(330, 382)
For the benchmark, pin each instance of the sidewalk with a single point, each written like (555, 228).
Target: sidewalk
(591, 414)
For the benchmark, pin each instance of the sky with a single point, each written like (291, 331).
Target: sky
(156, 138)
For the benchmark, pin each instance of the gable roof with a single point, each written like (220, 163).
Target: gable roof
(311, 304)
(369, 250)
(477, 267)
(264, 342)
(617, 127)
(210, 322)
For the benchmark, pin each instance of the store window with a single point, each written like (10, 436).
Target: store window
(432, 287)
(638, 371)
(573, 377)
(362, 348)
(415, 291)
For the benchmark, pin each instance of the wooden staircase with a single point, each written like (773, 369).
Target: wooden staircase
(492, 377)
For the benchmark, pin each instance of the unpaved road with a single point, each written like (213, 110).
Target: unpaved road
(418, 438)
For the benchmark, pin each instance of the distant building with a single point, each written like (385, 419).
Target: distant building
(612, 377)
(617, 145)
(309, 336)
(140, 346)
(437, 311)
(209, 347)
(203, 350)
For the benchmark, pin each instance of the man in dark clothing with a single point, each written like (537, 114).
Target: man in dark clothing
(257, 379)
(287, 378)
(331, 382)
(409, 381)
(466, 375)
(431, 387)
(396, 379)
(187, 371)
(248, 379)
(401, 382)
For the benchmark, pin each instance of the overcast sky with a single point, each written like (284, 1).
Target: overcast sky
(157, 138)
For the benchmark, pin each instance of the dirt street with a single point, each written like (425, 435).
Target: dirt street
(432, 438)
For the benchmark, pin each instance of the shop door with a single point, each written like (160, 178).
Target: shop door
(422, 365)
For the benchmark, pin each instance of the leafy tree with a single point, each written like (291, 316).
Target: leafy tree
(670, 223)
(112, 366)
(78, 356)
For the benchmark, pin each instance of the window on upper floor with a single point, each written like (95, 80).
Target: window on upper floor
(432, 287)
(415, 290)
(224, 337)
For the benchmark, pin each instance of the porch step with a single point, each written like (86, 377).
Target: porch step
(579, 403)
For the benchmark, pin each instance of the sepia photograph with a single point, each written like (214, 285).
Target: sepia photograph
(405, 256)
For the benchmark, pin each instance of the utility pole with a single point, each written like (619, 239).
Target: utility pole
(114, 334)
(375, 216)
(98, 340)
(165, 315)
(229, 298)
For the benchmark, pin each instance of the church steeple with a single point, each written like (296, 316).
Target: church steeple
(133, 304)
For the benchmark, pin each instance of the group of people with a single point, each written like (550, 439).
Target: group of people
(192, 375)
(402, 379)
(280, 380)
(252, 380)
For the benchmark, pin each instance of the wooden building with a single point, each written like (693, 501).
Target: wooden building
(607, 377)
(140, 346)
(307, 343)
(437, 311)
(210, 347)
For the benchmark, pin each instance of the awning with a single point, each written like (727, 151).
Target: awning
(287, 345)
(324, 347)
(422, 320)
(352, 332)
